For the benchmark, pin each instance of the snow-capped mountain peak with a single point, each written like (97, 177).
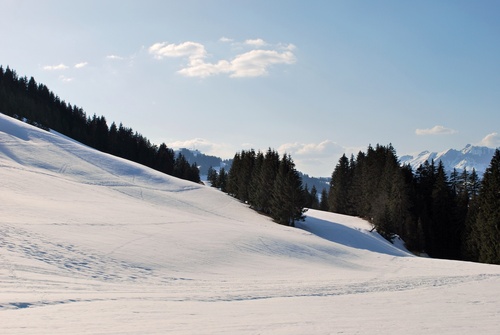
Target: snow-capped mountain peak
(477, 157)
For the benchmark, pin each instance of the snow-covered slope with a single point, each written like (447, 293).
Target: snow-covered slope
(93, 244)
(469, 157)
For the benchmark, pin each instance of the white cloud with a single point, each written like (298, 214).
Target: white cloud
(198, 68)
(491, 140)
(289, 47)
(312, 150)
(436, 130)
(114, 57)
(81, 65)
(258, 42)
(249, 64)
(192, 50)
(256, 62)
(226, 40)
(319, 159)
(55, 67)
(65, 79)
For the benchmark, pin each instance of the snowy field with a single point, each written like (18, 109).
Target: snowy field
(93, 244)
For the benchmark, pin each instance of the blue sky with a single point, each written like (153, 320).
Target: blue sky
(311, 78)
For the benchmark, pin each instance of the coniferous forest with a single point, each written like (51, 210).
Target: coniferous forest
(269, 184)
(27, 100)
(454, 216)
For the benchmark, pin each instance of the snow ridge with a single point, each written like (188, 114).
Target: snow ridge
(469, 157)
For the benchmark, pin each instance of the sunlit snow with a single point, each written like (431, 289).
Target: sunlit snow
(93, 244)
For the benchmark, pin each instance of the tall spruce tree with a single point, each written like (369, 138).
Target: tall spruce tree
(338, 200)
(323, 203)
(487, 223)
(265, 181)
(445, 239)
(287, 203)
(222, 179)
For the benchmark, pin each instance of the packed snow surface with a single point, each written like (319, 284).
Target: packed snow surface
(93, 244)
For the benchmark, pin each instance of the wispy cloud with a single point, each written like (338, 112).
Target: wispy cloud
(253, 63)
(226, 40)
(193, 50)
(114, 57)
(491, 140)
(65, 79)
(81, 65)
(258, 42)
(436, 130)
(256, 62)
(55, 67)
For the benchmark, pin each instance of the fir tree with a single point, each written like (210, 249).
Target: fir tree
(287, 204)
(222, 180)
(323, 204)
(212, 177)
(487, 223)
(313, 201)
(339, 185)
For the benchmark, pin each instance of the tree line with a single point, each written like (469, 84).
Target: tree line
(25, 99)
(269, 184)
(453, 217)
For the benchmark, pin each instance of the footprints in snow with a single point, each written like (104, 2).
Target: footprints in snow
(72, 260)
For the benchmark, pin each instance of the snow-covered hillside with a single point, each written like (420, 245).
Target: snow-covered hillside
(469, 157)
(93, 244)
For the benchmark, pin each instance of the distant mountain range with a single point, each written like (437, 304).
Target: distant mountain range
(476, 157)
(469, 157)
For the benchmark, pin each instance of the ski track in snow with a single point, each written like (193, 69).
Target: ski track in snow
(71, 262)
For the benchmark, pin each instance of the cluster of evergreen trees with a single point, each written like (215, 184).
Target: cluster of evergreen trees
(270, 185)
(455, 217)
(217, 179)
(25, 99)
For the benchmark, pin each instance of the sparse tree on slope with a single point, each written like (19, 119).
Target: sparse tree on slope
(212, 176)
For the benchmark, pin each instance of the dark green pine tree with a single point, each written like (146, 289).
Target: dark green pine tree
(212, 176)
(181, 167)
(487, 225)
(471, 236)
(222, 180)
(357, 191)
(264, 181)
(445, 238)
(245, 178)
(323, 203)
(339, 187)
(425, 177)
(313, 201)
(233, 178)
(287, 203)
(253, 191)
(474, 184)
